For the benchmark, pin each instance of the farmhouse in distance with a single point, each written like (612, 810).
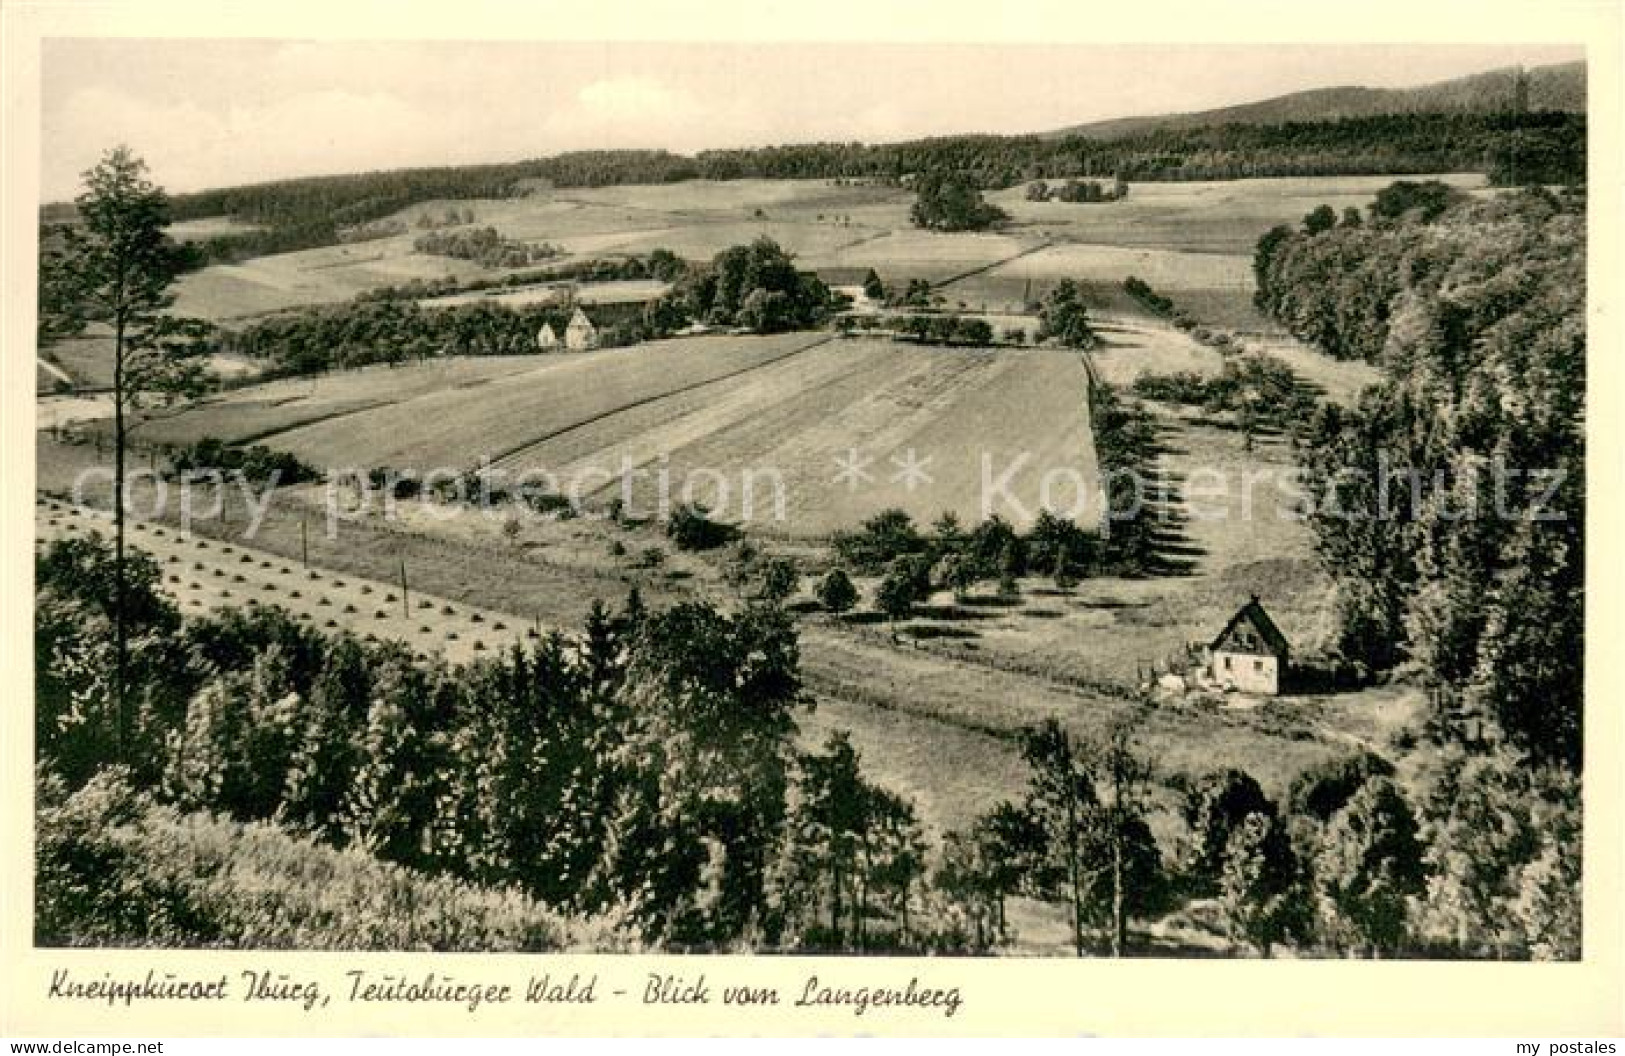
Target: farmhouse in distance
(580, 335)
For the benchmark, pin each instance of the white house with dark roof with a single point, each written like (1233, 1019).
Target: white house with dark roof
(546, 339)
(1250, 654)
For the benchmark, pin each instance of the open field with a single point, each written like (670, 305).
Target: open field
(86, 363)
(708, 412)
(1224, 217)
(1195, 238)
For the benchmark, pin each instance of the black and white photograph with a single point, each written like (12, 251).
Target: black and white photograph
(950, 500)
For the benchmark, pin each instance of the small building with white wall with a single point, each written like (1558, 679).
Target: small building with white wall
(580, 335)
(1250, 654)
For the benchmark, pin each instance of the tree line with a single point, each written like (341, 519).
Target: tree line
(661, 264)
(1078, 191)
(315, 340)
(640, 780)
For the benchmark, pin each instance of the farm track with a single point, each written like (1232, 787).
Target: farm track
(876, 235)
(518, 449)
(344, 263)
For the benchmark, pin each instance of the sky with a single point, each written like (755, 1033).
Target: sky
(210, 113)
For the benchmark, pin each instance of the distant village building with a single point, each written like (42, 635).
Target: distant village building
(580, 334)
(1250, 654)
(546, 339)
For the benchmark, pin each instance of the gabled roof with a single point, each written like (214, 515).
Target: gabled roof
(1254, 614)
(579, 319)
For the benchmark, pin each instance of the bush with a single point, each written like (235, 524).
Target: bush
(1153, 301)
(256, 463)
(1322, 790)
(883, 538)
(691, 529)
(836, 592)
(114, 868)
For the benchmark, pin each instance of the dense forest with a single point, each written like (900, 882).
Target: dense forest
(485, 246)
(638, 784)
(1449, 504)
(1544, 148)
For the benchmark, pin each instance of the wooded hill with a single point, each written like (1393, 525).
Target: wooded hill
(1560, 87)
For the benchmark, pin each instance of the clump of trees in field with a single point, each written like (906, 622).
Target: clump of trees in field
(691, 528)
(1256, 391)
(636, 784)
(253, 462)
(1078, 191)
(1064, 318)
(755, 286)
(485, 246)
(1449, 503)
(116, 267)
(947, 201)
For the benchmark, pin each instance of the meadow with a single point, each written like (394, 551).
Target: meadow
(1194, 237)
(707, 412)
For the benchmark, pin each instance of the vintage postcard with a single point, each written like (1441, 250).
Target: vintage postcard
(908, 521)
